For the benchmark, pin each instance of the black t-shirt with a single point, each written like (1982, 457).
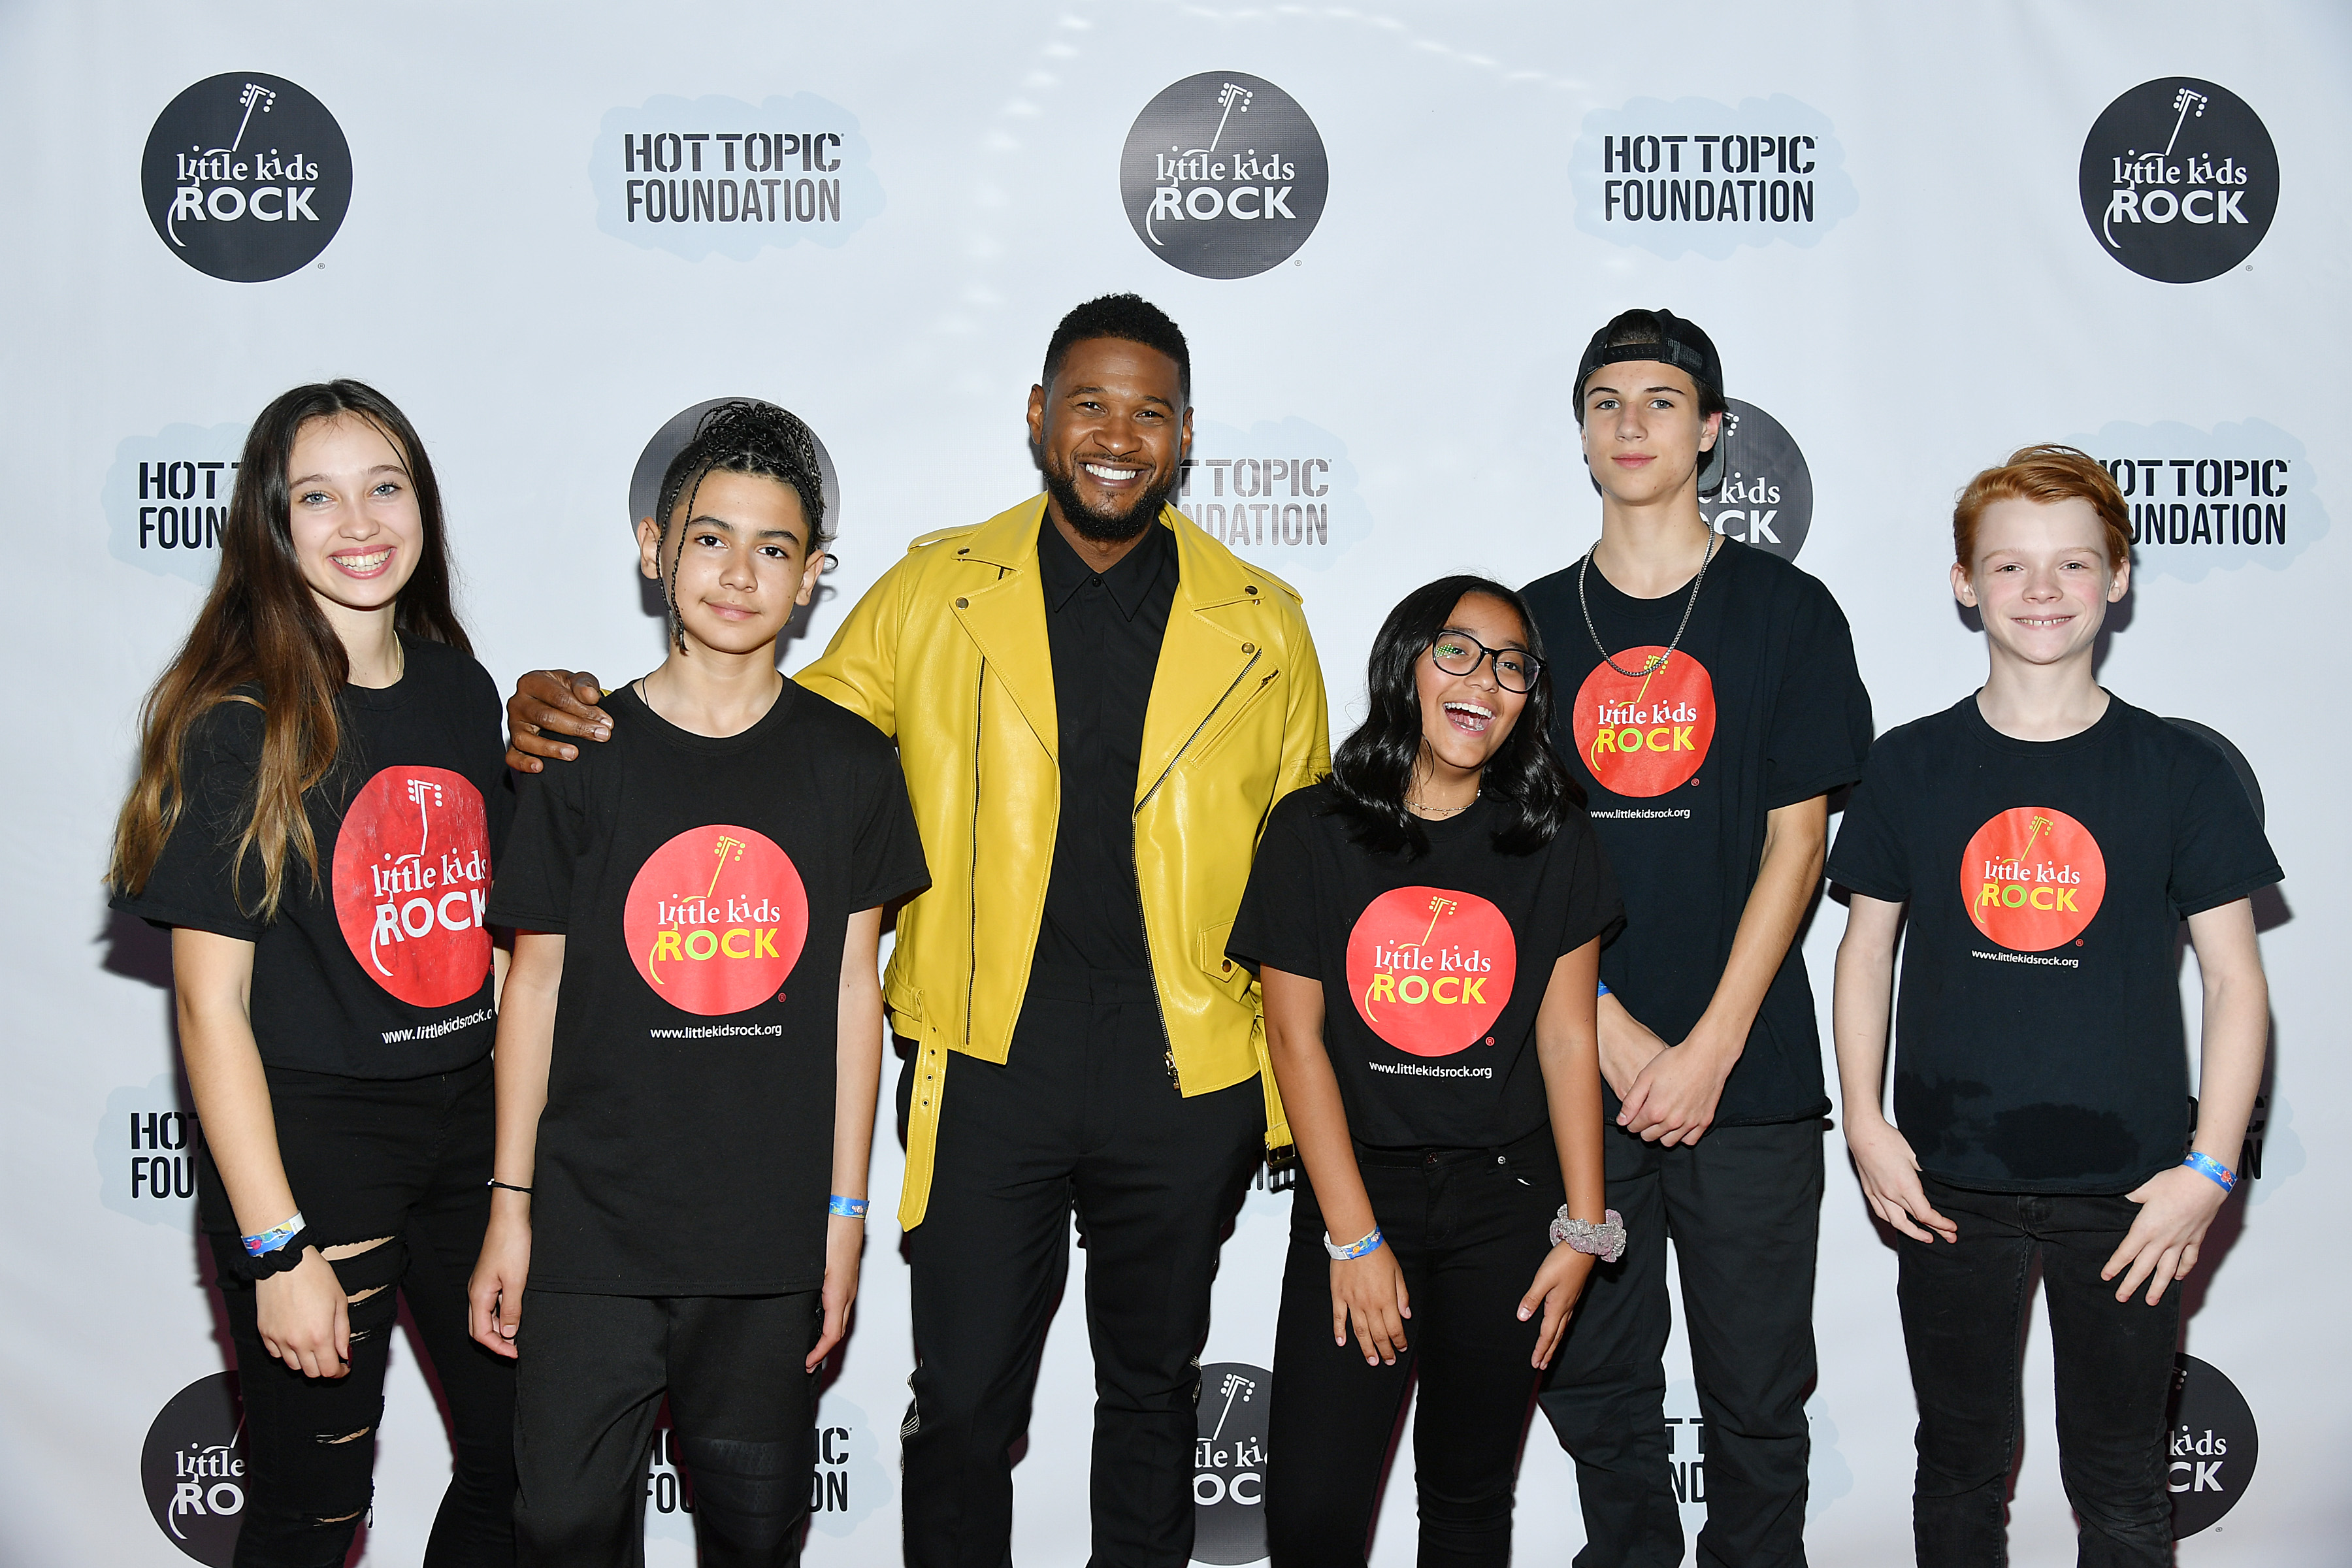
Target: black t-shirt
(1432, 969)
(1761, 707)
(703, 888)
(2039, 1040)
(380, 967)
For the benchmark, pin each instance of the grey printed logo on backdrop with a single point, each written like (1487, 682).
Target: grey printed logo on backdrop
(191, 1467)
(2235, 496)
(717, 177)
(845, 1486)
(1229, 1463)
(1766, 498)
(2179, 180)
(1695, 177)
(247, 176)
(1283, 493)
(2211, 1445)
(1223, 176)
(166, 496)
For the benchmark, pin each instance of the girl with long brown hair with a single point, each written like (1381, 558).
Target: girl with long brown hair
(319, 801)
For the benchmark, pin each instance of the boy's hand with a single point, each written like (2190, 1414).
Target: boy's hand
(305, 1319)
(844, 1248)
(2176, 1207)
(1890, 1179)
(494, 1295)
(1370, 1292)
(560, 700)
(1673, 1099)
(1627, 1045)
(1558, 1282)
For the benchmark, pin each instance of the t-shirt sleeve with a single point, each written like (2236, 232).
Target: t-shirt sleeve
(887, 860)
(2220, 853)
(1276, 927)
(532, 890)
(196, 880)
(1594, 909)
(1820, 730)
(1868, 857)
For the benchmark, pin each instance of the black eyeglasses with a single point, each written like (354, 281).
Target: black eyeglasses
(1459, 653)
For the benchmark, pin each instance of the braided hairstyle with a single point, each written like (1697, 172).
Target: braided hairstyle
(741, 437)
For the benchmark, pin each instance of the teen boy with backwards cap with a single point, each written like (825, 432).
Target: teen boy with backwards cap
(1709, 700)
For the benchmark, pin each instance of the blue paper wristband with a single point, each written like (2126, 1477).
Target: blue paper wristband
(270, 1240)
(1363, 1248)
(847, 1208)
(1603, 992)
(2212, 1170)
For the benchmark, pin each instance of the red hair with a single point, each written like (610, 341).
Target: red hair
(2044, 475)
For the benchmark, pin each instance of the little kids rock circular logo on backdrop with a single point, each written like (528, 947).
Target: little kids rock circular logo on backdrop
(2032, 878)
(1431, 968)
(2179, 180)
(646, 478)
(1645, 734)
(1223, 176)
(1766, 498)
(247, 176)
(1229, 1463)
(2210, 1446)
(412, 874)
(192, 1468)
(715, 920)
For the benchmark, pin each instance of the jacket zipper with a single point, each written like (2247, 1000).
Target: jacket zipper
(972, 887)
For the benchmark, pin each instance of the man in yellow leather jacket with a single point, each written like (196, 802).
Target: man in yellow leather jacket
(1097, 704)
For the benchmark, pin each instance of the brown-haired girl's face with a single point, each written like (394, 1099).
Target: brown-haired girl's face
(738, 563)
(353, 513)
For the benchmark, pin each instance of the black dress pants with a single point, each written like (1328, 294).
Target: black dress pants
(1743, 1205)
(1964, 1308)
(399, 1162)
(589, 1387)
(1082, 1115)
(1469, 1228)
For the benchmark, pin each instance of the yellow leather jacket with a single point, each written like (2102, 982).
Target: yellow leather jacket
(948, 654)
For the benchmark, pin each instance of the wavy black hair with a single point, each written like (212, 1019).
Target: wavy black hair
(741, 437)
(1373, 768)
(1130, 318)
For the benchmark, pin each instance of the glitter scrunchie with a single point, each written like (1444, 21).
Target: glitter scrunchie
(1605, 1241)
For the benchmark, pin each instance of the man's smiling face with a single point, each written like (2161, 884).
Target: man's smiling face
(1111, 431)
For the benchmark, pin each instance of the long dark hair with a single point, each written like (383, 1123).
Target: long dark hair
(741, 437)
(1373, 768)
(261, 625)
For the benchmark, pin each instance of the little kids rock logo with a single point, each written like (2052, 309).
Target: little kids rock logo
(411, 876)
(1229, 1463)
(167, 495)
(1646, 734)
(1223, 176)
(646, 478)
(717, 177)
(247, 176)
(1766, 498)
(1431, 968)
(192, 1468)
(2033, 877)
(1697, 176)
(2179, 180)
(2211, 1446)
(715, 920)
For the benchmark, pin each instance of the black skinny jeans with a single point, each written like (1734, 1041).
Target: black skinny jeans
(1964, 1307)
(1469, 1227)
(404, 1159)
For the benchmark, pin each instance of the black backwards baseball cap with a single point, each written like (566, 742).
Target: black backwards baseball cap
(1662, 336)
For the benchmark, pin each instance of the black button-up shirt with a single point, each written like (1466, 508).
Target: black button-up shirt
(1105, 630)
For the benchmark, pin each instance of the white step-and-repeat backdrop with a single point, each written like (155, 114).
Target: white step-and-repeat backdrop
(1922, 237)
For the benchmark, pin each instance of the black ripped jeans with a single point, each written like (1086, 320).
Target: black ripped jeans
(403, 1159)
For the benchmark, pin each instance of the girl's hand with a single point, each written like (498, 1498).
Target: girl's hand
(1558, 1282)
(305, 1320)
(1890, 1179)
(2176, 1207)
(1370, 1292)
(844, 1246)
(494, 1295)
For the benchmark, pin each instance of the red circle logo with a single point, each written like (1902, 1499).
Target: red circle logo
(2032, 878)
(1430, 968)
(1645, 734)
(411, 875)
(716, 920)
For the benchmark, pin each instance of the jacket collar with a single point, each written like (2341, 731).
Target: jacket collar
(1208, 574)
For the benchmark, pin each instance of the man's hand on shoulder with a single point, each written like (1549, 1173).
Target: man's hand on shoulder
(550, 703)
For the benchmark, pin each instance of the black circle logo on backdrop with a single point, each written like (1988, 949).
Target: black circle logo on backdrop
(247, 176)
(1229, 1464)
(2235, 758)
(1766, 498)
(1223, 176)
(2179, 180)
(2211, 1446)
(645, 480)
(192, 1468)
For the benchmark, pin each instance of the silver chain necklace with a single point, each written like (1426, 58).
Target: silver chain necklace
(1657, 660)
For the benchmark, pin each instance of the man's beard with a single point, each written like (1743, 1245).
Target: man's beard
(1094, 525)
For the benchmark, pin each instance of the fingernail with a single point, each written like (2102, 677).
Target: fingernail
(1523, 1314)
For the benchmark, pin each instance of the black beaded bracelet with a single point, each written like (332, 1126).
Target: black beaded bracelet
(507, 1186)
